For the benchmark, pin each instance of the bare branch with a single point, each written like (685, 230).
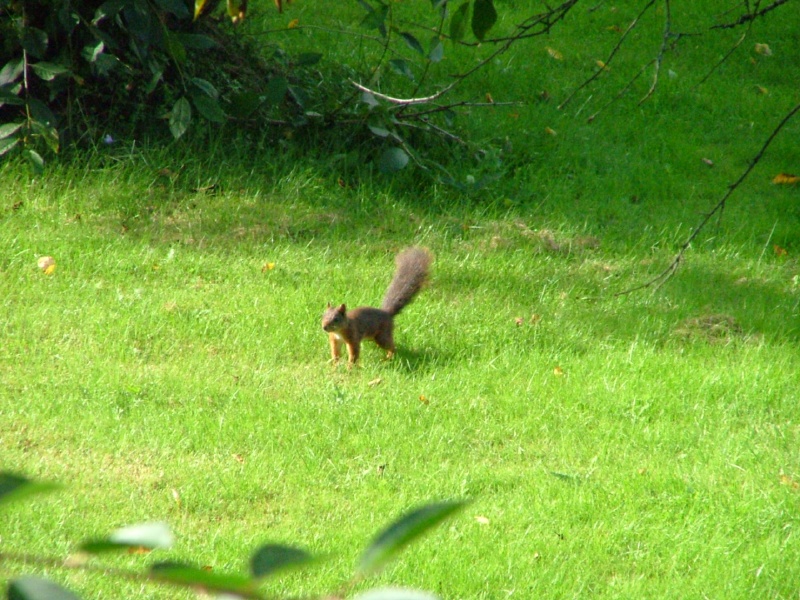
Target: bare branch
(664, 276)
(751, 16)
(610, 56)
(665, 38)
(402, 101)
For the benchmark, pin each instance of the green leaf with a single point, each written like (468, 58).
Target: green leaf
(276, 91)
(484, 16)
(36, 588)
(401, 67)
(392, 159)
(145, 535)
(48, 71)
(376, 18)
(34, 41)
(208, 107)
(243, 104)
(410, 526)
(207, 580)
(15, 487)
(378, 127)
(108, 9)
(180, 117)
(9, 129)
(205, 87)
(36, 161)
(437, 50)
(395, 594)
(458, 22)
(273, 557)
(48, 133)
(412, 42)
(7, 144)
(11, 72)
(41, 113)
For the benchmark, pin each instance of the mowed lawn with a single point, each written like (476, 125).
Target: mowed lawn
(172, 366)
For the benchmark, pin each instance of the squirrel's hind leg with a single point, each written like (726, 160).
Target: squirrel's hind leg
(386, 341)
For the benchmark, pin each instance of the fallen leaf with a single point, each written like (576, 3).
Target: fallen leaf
(489, 98)
(779, 251)
(238, 458)
(47, 264)
(785, 179)
(788, 481)
(423, 399)
(267, 267)
(375, 382)
(481, 520)
(176, 497)
(138, 550)
(614, 28)
(380, 470)
(762, 90)
(293, 23)
(536, 318)
(518, 321)
(558, 372)
(550, 131)
(763, 50)
(554, 53)
(708, 161)
(601, 64)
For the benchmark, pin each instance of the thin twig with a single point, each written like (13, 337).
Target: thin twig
(664, 276)
(665, 38)
(750, 16)
(621, 92)
(724, 58)
(610, 56)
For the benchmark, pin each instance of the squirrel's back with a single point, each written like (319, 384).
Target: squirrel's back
(409, 279)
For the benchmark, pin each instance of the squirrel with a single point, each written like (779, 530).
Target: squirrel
(377, 324)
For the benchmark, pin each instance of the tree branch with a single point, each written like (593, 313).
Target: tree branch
(750, 16)
(610, 56)
(665, 275)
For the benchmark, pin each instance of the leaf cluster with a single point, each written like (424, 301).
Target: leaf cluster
(266, 561)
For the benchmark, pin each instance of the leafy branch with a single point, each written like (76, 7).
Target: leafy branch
(266, 561)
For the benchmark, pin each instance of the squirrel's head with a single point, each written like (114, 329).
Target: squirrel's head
(334, 318)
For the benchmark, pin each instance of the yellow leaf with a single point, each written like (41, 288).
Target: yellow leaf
(481, 520)
(489, 98)
(267, 267)
(601, 64)
(558, 371)
(199, 5)
(785, 179)
(550, 131)
(554, 53)
(47, 264)
(763, 50)
(293, 23)
(237, 10)
(762, 90)
(423, 399)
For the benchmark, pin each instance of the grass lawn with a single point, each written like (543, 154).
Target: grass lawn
(173, 368)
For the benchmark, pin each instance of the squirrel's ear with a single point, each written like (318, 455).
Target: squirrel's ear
(342, 308)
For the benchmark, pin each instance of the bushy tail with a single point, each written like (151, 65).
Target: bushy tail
(409, 279)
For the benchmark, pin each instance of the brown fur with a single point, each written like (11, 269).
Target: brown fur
(377, 324)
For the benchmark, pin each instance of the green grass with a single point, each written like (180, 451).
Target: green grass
(614, 447)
